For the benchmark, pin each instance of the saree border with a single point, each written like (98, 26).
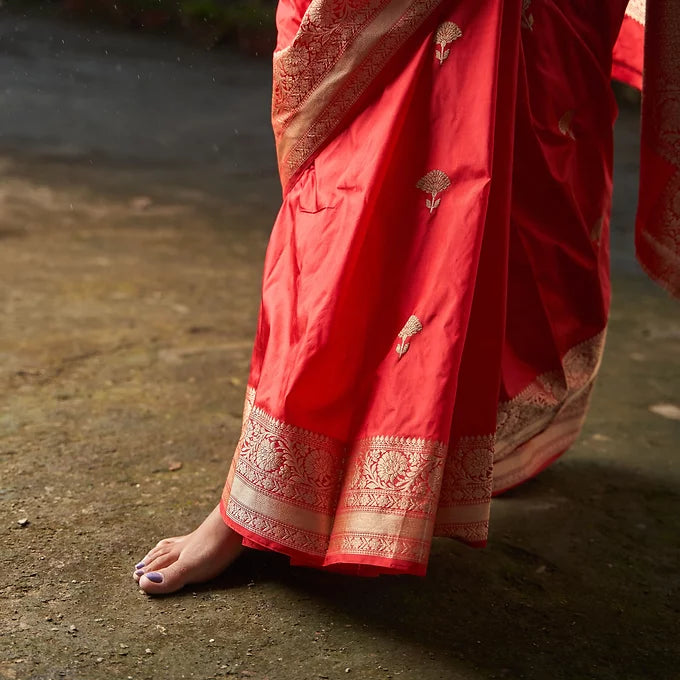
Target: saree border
(546, 417)
(380, 500)
(373, 502)
(657, 237)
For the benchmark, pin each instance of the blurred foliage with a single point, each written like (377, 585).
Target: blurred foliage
(249, 23)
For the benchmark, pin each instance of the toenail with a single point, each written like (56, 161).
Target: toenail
(155, 577)
(139, 566)
(139, 572)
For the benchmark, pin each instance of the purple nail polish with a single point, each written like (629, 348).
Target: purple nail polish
(139, 566)
(155, 577)
(139, 572)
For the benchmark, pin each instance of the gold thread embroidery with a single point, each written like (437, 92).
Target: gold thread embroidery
(398, 474)
(464, 501)
(468, 475)
(447, 33)
(289, 462)
(433, 183)
(565, 124)
(378, 545)
(536, 405)
(636, 10)
(286, 489)
(412, 327)
(345, 55)
(527, 16)
(658, 228)
(534, 452)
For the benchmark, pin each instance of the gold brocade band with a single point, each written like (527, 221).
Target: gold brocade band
(384, 497)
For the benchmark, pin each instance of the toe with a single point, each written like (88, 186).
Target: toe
(156, 552)
(163, 581)
(162, 560)
(158, 563)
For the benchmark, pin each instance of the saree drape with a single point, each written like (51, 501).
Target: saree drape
(436, 286)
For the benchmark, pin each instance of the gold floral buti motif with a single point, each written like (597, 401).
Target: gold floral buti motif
(412, 327)
(565, 123)
(447, 33)
(433, 183)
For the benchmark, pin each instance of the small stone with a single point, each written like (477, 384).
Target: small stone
(140, 203)
(211, 640)
(72, 628)
(601, 437)
(148, 651)
(175, 465)
(670, 411)
(348, 670)
(100, 659)
(23, 522)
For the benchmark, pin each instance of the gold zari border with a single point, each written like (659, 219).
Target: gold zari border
(385, 497)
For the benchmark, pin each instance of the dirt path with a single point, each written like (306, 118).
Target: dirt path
(137, 187)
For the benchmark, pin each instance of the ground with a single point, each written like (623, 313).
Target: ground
(137, 190)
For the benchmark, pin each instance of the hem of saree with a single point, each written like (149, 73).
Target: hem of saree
(288, 489)
(345, 564)
(539, 452)
(627, 60)
(627, 74)
(660, 263)
(530, 458)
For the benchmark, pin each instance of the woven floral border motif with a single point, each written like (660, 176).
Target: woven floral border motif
(541, 400)
(468, 476)
(394, 474)
(465, 498)
(298, 466)
(310, 493)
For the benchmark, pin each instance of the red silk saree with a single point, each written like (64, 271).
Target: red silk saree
(436, 286)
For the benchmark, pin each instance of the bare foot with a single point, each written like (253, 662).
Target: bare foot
(194, 558)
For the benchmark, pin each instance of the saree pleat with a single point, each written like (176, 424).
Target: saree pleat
(436, 285)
